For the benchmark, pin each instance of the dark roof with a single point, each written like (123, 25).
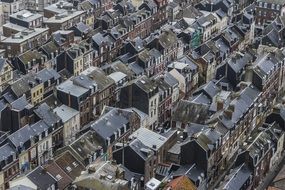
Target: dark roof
(239, 176)
(82, 27)
(20, 104)
(41, 178)
(109, 123)
(143, 151)
(6, 150)
(40, 127)
(241, 104)
(2, 63)
(50, 47)
(189, 112)
(47, 74)
(210, 89)
(45, 113)
(21, 136)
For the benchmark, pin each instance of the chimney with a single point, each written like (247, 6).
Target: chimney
(220, 105)
(229, 114)
(232, 108)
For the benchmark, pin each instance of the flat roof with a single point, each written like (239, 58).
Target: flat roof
(69, 88)
(24, 35)
(63, 17)
(26, 15)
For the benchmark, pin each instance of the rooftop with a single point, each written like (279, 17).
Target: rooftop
(25, 35)
(26, 15)
(65, 113)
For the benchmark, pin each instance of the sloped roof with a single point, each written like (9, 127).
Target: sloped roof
(181, 183)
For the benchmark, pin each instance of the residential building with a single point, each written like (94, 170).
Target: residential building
(26, 19)
(6, 73)
(142, 93)
(71, 122)
(36, 179)
(24, 41)
(64, 21)
(267, 11)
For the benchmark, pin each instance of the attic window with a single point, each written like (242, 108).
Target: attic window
(68, 169)
(58, 177)
(75, 164)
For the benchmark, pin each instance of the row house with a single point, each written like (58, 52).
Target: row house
(9, 165)
(11, 7)
(30, 61)
(206, 144)
(266, 11)
(57, 8)
(87, 148)
(239, 177)
(159, 143)
(106, 48)
(206, 57)
(35, 87)
(143, 94)
(165, 101)
(167, 44)
(88, 93)
(234, 67)
(211, 24)
(99, 7)
(45, 113)
(124, 7)
(113, 127)
(269, 79)
(27, 19)
(6, 73)
(38, 178)
(121, 79)
(71, 122)
(89, 12)
(79, 96)
(33, 147)
(24, 41)
(64, 21)
(140, 23)
(260, 151)
(9, 29)
(160, 17)
(226, 121)
(137, 158)
(185, 70)
(81, 30)
(151, 61)
(105, 86)
(63, 38)
(75, 59)
(226, 6)
(51, 51)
